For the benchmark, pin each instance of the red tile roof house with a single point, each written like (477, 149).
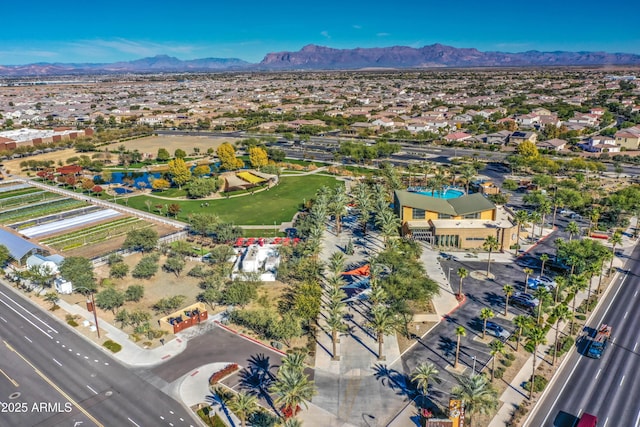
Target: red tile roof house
(457, 136)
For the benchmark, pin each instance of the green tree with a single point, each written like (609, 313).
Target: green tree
(179, 171)
(110, 299)
(160, 184)
(338, 206)
(460, 332)
(143, 239)
(542, 295)
(543, 258)
(4, 255)
(508, 293)
(336, 262)
(561, 313)
(490, 244)
(615, 240)
(169, 304)
(527, 272)
(146, 268)
(462, 274)
(118, 270)
(383, 322)
(477, 395)
(520, 217)
(227, 155)
(239, 293)
(528, 150)
(123, 317)
(522, 324)
(306, 300)
(201, 170)
(292, 388)
(174, 264)
(52, 298)
(163, 155)
(389, 223)
(179, 153)
(202, 187)
(79, 271)
(497, 348)
(134, 293)
(485, 315)
(423, 375)
(336, 325)
(535, 337)
(243, 405)
(577, 283)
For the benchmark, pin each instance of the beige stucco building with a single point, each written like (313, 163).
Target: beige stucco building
(457, 223)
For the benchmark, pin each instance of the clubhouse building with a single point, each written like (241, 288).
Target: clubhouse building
(454, 220)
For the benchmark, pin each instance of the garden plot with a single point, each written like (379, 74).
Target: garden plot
(13, 186)
(35, 210)
(68, 223)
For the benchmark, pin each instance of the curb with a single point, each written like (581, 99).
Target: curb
(253, 340)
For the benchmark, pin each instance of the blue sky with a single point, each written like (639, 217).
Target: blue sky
(44, 31)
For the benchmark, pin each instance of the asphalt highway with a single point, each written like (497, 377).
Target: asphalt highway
(82, 383)
(606, 387)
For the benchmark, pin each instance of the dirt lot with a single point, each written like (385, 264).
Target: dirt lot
(13, 166)
(171, 143)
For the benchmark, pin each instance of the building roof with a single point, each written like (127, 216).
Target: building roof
(460, 206)
(18, 246)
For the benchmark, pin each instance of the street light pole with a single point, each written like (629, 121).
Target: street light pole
(474, 366)
(449, 275)
(93, 307)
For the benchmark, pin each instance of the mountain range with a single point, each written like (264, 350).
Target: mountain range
(312, 57)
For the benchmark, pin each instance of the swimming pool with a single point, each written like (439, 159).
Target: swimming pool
(448, 193)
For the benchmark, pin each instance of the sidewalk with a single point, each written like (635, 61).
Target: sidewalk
(514, 395)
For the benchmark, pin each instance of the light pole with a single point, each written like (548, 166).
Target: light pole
(449, 275)
(91, 306)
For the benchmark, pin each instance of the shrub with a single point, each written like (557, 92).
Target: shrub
(499, 373)
(540, 384)
(581, 317)
(217, 376)
(510, 356)
(113, 346)
(506, 362)
(71, 320)
(564, 344)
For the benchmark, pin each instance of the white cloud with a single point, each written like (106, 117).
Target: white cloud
(383, 34)
(325, 34)
(100, 47)
(357, 27)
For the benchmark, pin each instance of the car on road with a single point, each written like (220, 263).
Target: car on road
(497, 330)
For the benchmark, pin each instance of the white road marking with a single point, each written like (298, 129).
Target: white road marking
(605, 422)
(32, 324)
(59, 364)
(77, 354)
(27, 338)
(3, 319)
(51, 329)
(95, 360)
(598, 374)
(86, 357)
(635, 293)
(133, 422)
(626, 313)
(89, 387)
(161, 417)
(634, 347)
(622, 380)
(638, 419)
(171, 412)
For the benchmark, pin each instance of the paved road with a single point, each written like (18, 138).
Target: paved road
(607, 387)
(100, 390)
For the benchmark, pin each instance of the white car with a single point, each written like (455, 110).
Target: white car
(546, 281)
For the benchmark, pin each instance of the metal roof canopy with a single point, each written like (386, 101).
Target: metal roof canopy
(18, 246)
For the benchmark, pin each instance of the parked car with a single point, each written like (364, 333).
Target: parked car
(547, 281)
(522, 302)
(526, 296)
(575, 216)
(497, 330)
(543, 281)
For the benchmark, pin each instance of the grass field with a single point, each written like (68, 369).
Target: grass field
(278, 204)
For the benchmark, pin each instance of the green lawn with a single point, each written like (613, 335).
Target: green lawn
(278, 204)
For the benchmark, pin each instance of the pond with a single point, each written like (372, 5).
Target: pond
(131, 177)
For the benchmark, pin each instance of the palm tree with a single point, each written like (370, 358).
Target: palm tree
(485, 314)
(535, 217)
(336, 262)
(243, 405)
(362, 198)
(462, 274)
(490, 244)
(520, 217)
(604, 258)
(544, 209)
(460, 332)
(424, 373)
(544, 258)
(576, 284)
(336, 325)
(591, 270)
(541, 294)
(467, 174)
(573, 229)
(527, 272)
(508, 292)
(290, 422)
(536, 336)
(383, 322)
(615, 240)
(522, 323)
(497, 348)
(560, 313)
(338, 206)
(593, 220)
(292, 388)
(477, 395)
(561, 283)
(388, 222)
